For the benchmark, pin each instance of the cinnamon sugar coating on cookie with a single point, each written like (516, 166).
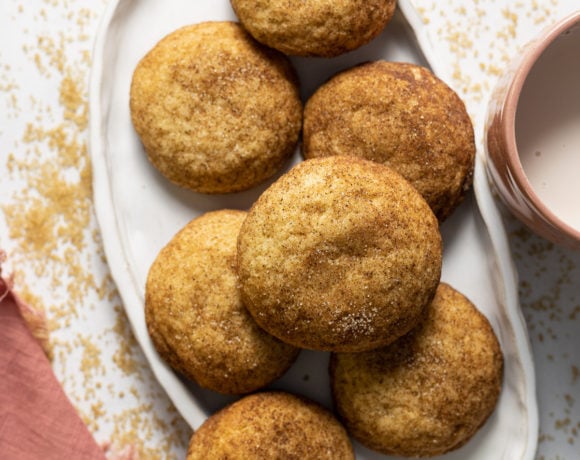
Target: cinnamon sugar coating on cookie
(271, 425)
(339, 254)
(195, 315)
(216, 111)
(400, 115)
(430, 391)
(321, 28)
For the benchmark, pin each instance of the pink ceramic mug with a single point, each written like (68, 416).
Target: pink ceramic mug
(533, 134)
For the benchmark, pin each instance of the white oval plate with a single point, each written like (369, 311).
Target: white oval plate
(139, 211)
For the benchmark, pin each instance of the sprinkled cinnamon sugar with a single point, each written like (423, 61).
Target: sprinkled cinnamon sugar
(124, 356)
(54, 244)
(548, 296)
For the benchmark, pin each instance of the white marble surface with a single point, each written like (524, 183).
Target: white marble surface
(48, 228)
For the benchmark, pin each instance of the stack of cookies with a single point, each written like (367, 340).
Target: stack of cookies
(341, 254)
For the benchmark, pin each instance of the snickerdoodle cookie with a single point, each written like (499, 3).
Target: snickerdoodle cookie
(196, 318)
(271, 425)
(400, 115)
(341, 254)
(428, 392)
(320, 28)
(216, 111)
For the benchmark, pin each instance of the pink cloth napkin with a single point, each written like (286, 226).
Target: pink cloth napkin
(37, 421)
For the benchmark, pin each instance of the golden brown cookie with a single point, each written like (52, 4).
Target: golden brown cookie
(400, 115)
(321, 28)
(339, 254)
(428, 392)
(272, 425)
(216, 111)
(196, 318)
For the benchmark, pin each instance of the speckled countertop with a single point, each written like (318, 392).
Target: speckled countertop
(48, 227)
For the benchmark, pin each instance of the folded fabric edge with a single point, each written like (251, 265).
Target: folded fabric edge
(37, 322)
(35, 318)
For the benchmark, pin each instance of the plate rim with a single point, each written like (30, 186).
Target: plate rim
(495, 228)
(173, 386)
(114, 250)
